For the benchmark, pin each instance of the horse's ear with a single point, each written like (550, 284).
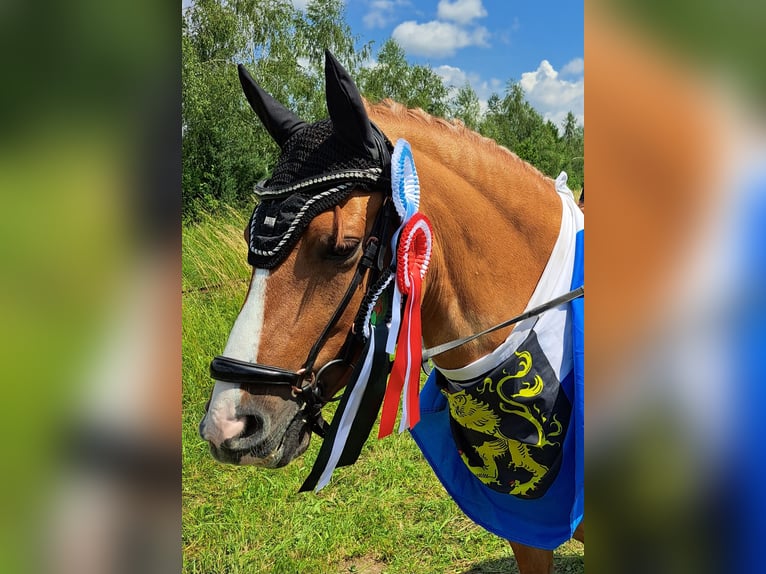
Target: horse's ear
(344, 103)
(280, 122)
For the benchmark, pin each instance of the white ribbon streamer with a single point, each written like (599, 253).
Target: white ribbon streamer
(347, 419)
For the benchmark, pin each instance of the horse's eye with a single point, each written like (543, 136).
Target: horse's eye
(343, 250)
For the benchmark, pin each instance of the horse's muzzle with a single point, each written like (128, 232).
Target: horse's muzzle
(230, 370)
(263, 447)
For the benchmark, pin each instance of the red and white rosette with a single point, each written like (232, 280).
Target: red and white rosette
(412, 258)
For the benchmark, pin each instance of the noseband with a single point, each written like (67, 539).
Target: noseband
(304, 383)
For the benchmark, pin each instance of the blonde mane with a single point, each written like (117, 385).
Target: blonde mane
(395, 111)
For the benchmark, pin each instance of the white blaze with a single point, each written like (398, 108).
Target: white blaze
(221, 421)
(245, 336)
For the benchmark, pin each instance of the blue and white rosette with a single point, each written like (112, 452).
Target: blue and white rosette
(405, 186)
(405, 191)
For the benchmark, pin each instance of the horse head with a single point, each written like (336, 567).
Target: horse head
(318, 243)
(307, 240)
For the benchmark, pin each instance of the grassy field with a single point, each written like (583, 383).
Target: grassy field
(386, 514)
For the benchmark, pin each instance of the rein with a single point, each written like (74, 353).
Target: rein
(444, 347)
(304, 382)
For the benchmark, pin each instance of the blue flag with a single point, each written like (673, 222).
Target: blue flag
(545, 510)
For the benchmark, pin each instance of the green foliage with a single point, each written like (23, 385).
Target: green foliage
(392, 77)
(226, 150)
(465, 107)
(324, 28)
(386, 79)
(223, 155)
(514, 123)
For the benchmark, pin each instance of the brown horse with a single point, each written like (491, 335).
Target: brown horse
(496, 220)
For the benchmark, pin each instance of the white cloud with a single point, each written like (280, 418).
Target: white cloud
(451, 76)
(436, 39)
(573, 68)
(382, 12)
(553, 96)
(454, 78)
(461, 11)
(545, 89)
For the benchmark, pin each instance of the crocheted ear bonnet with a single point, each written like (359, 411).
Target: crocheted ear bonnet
(320, 163)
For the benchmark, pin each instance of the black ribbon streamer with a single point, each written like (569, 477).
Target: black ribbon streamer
(368, 410)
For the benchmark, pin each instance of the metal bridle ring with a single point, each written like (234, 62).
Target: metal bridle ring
(295, 390)
(318, 375)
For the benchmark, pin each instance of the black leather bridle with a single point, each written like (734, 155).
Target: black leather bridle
(306, 384)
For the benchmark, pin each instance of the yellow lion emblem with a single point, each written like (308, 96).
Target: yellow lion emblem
(473, 414)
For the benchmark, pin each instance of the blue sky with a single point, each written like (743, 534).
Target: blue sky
(486, 42)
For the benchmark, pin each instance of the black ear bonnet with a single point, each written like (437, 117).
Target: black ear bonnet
(320, 165)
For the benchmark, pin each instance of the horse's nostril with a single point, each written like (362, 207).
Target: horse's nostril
(253, 426)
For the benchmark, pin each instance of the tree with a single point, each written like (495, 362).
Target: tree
(413, 86)
(225, 148)
(465, 107)
(491, 123)
(387, 78)
(515, 124)
(572, 143)
(570, 128)
(426, 91)
(324, 27)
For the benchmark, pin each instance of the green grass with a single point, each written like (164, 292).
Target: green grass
(386, 514)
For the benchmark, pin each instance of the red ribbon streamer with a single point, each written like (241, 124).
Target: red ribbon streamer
(412, 261)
